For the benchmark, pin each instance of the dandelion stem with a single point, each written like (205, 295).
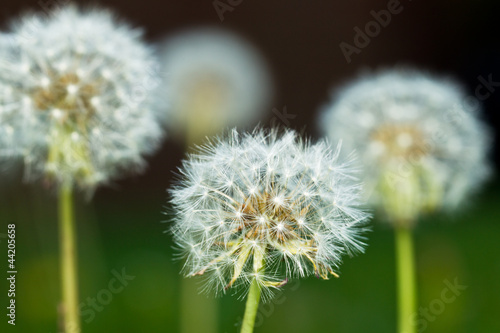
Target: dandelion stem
(251, 307)
(406, 279)
(68, 264)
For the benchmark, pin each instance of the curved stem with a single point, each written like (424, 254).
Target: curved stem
(406, 279)
(68, 264)
(251, 307)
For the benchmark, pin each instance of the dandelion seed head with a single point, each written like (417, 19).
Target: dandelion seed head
(65, 81)
(420, 144)
(277, 232)
(214, 78)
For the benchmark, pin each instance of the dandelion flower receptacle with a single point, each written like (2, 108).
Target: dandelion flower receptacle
(259, 208)
(72, 109)
(422, 148)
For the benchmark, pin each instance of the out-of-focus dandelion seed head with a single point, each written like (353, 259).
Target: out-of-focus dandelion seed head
(260, 206)
(420, 140)
(213, 79)
(68, 96)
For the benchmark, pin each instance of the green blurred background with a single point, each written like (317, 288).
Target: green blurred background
(123, 227)
(126, 233)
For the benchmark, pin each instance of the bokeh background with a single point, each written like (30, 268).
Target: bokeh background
(123, 226)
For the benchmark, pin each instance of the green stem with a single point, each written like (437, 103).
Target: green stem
(68, 265)
(406, 279)
(251, 308)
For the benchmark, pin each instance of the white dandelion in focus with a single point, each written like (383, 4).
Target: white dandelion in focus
(214, 79)
(263, 207)
(74, 103)
(421, 143)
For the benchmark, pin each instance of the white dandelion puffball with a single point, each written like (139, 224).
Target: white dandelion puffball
(74, 96)
(264, 207)
(421, 143)
(214, 79)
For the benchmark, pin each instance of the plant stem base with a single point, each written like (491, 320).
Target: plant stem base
(251, 307)
(68, 264)
(405, 266)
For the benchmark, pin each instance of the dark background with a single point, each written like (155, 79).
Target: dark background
(121, 226)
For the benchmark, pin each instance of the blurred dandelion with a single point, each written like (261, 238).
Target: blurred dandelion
(69, 109)
(214, 79)
(257, 209)
(422, 148)
(68, 102)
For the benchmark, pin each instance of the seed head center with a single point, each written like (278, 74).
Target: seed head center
(399, 141)
(67, 96)
(267, 216)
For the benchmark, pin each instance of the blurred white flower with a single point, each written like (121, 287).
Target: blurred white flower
(422, 146)
(264, 207)
(214, 79)
(73, 97)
